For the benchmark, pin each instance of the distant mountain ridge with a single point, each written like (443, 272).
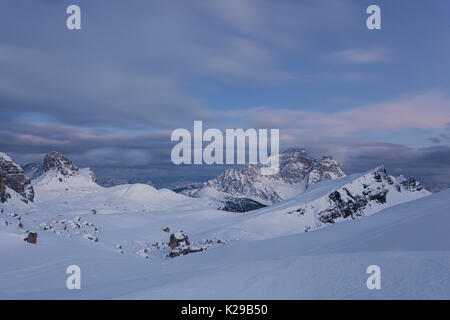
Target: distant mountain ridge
(297, 172)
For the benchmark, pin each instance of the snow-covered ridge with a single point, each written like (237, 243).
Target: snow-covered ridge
(327, 203)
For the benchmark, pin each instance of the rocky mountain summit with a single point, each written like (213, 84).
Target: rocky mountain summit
(58, 162)
(56, 166)
(13, 177)
(297, 172)
(296, 165)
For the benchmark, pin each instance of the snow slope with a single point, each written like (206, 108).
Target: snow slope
(410, 242)
(79, 194)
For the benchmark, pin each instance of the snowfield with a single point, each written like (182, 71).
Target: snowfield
(137, 242)
(410, 242)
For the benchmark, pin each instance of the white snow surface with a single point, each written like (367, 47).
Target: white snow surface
(261, 254)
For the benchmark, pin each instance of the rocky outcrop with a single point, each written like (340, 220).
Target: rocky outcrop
(57, 162)
(178, 239)
(234, 204)
(13, 177)
(180, 245)
(364, 195)
(31, 237)
(184, 252)
(58, 168)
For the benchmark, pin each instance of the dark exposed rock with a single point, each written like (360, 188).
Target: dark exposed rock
(414, 185)
(178, 239)
(13, 177)
(376, 193)
(241, 205)
(31, 237)
(184, 252)
(166, 229)
(91, 237)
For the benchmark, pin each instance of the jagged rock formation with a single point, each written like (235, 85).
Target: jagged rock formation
(355, 198)
(13, 177)
(252, 190)
(58, 162)
(56, 167)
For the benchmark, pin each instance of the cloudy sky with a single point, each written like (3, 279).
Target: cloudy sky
(110, 94)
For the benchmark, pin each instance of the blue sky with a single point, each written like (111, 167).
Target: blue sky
(138, 70)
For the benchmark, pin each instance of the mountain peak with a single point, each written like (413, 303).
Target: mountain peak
(13, 178)
(58, 162)
(297, 172)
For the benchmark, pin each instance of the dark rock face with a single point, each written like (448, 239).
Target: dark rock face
(356, 203)
(58, 162)
(32, 237)
(241, 205)
(13, 177)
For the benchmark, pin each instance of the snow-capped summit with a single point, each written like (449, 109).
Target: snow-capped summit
(13, 179)
(60, 173)
(297, 172)
(58, 162)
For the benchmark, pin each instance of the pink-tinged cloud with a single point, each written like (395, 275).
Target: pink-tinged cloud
(358, 56)
(427, 111)
(27, 139)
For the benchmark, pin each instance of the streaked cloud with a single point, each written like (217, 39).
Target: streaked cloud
(359, 56)
(426, 111)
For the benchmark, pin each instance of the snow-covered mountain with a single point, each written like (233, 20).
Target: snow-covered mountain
(61, 174)
(327, 203)
(297, 173)
(123, 238)
(33, 169)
